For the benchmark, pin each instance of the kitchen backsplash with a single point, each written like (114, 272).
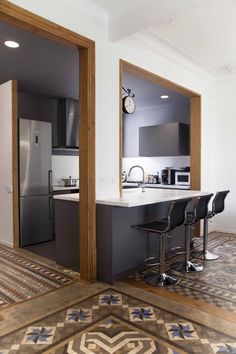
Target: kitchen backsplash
(63, 167)
(153, 164)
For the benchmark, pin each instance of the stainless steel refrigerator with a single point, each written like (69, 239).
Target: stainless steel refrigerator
(35, 181)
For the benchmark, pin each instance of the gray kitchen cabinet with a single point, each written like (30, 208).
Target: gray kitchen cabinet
(172, 139)
(40, 108)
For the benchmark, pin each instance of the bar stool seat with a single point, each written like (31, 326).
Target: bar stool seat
(161, 227)
(198, 212)
(218, 206)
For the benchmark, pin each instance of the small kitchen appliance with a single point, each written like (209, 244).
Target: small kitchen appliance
(153, 179)
(182, 178)
(168, 175)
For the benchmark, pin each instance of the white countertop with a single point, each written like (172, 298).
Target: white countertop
(155, 185)
(62, 188)
(135, 197)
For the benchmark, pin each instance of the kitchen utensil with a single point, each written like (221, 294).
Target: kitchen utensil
(70, 182)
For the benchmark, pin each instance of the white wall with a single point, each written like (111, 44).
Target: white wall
(6, 203)
(63, 167)
(167, 65)
(225, 152)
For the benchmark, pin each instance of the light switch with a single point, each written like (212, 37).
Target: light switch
(9, 188)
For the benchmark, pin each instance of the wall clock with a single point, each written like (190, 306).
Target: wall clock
(128, 102)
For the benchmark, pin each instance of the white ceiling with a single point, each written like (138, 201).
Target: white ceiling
(200, 30)
(120, 8)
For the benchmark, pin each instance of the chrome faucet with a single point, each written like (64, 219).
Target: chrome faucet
(141, 185)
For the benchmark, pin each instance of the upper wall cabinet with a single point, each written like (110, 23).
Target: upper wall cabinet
(171, 139)
(40, 108)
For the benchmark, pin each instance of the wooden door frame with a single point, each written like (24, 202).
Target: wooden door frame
(195, 118)
(87, 214)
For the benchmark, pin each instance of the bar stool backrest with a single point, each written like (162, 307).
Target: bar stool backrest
(218, 203)
(202, 206)
(176, 215)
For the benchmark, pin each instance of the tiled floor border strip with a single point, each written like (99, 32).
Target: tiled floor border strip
(172, 313)
(7, 306)
(36, 277)
(56, 312)
(122, 293)
(205, 292)
(59, 282)
(27, 257)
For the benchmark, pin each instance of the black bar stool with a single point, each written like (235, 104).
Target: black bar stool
(198, 212)
(161, 227)
(218, 206)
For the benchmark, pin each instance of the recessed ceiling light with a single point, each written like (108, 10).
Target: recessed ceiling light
(11, 44)
(164, 97)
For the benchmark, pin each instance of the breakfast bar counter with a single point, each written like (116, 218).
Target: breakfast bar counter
(121, 249)
(135, 197)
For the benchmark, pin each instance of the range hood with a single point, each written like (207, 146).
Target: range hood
(67, 130)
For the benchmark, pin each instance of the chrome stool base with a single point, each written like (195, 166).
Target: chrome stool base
(161, 279)
(183, 266)
(208, 256)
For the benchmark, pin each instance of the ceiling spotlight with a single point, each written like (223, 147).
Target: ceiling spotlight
(164, 97)
(11, 44)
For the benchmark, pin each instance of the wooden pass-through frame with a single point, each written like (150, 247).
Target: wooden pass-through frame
(87, 212)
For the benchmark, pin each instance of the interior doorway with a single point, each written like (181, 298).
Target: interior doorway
(194, 117)
(23, 19)
(194, 122)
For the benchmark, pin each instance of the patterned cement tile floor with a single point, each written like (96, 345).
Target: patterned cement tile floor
(22, 278)
(215, 285)
(112, 321)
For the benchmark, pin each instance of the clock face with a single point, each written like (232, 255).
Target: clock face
(128, 104)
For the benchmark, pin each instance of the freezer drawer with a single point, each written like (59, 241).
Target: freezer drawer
(35, 219)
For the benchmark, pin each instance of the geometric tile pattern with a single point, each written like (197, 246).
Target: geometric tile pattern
(181, 331)
(119, 339)
(141, 314)
(221, 348)
(124, 324)
(39, 335)
(110, 300)
(210, 286)
(22, 279)
(78, 315)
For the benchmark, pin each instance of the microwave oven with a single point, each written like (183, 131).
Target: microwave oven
(182, 178)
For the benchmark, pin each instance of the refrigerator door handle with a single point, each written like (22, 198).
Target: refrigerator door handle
(50, 208)
(50, 188)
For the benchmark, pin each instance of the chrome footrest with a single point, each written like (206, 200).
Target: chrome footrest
(176, 251)
(197, 241)
(151, 261)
